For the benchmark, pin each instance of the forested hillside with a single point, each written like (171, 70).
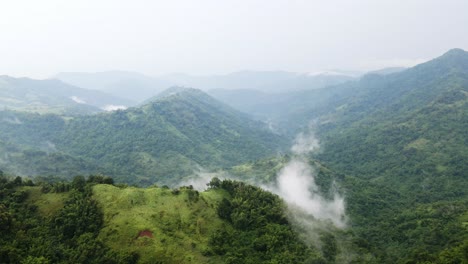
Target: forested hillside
(166, 139)
(93, 221)
(161, 141)
(403, 138)
(394, 146)
(407, 132)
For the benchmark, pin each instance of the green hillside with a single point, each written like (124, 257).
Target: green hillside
(406, 133)
(399, 142)
(167, 139)
(161, 141)
(53, 96)
(394, 146)
(86, 221)
(177, 223)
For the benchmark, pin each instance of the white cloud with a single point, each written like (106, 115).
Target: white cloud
(114, 107)
(76, 99)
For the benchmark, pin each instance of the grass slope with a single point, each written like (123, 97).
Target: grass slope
(47, 204)
(181, 222)
(52, 96)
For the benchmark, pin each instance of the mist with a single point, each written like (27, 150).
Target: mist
(295, 183)
(217, 37)
(12, 120)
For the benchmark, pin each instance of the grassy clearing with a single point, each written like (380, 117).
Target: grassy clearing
(180, 223)
(47, 203)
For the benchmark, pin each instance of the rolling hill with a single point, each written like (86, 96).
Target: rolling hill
(406, 132)
(161, 141)
(139, 87)
(53, 96)
(134, 86)
(401, 141)
(263, 81)
(394, 144)
(89, 221)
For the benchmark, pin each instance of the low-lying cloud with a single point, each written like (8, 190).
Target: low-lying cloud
(78, 100)
(113, 107)
(12, 120)
(305, 143)
(296, 184)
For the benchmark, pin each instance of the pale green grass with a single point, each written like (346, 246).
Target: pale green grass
(420, 143)
(48, 203)
(181, 226)
(464, 220)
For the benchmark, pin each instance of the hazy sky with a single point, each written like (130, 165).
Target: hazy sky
(41, 38)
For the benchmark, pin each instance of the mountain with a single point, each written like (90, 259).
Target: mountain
(399, 142)
(168, 138)
(393, 145)
(264, 81)
(161, 141)
(416, 118)
(53, 96)
(386, 71)
(246, 100)
(406, 132)
(94, 221)
(139, 87)
(134, 86)
(354, 100)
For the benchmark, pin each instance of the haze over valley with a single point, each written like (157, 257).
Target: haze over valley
(234, 132)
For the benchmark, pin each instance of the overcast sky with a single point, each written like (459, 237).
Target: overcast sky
(41, 38)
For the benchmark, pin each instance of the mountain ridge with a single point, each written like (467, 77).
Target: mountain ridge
(53, 96)
(161, 141)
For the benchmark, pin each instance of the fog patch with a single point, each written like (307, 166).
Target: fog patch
(305, 143)
(48, 147)
(113, 107)
(295, 183)
(12, 120)
(201, 177)
(78, 100)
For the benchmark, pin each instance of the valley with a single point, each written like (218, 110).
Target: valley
(368, 169)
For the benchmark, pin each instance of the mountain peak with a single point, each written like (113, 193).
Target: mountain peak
(452, 60)
(455, 56)
(174, 90)
(456, 52)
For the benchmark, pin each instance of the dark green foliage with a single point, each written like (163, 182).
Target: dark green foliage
(80, 215)
(329, 247)
(100, 179)
(161, 141)
(404, 137)
(70, 236)
(396, 145)
(260, 233)
(401, 140)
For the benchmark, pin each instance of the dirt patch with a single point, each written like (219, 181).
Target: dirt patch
(145, 233)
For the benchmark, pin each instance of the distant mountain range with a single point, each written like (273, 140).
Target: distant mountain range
(264, 81)
(393, 142)
(139, 87)
(131, 85)
(54, 96)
